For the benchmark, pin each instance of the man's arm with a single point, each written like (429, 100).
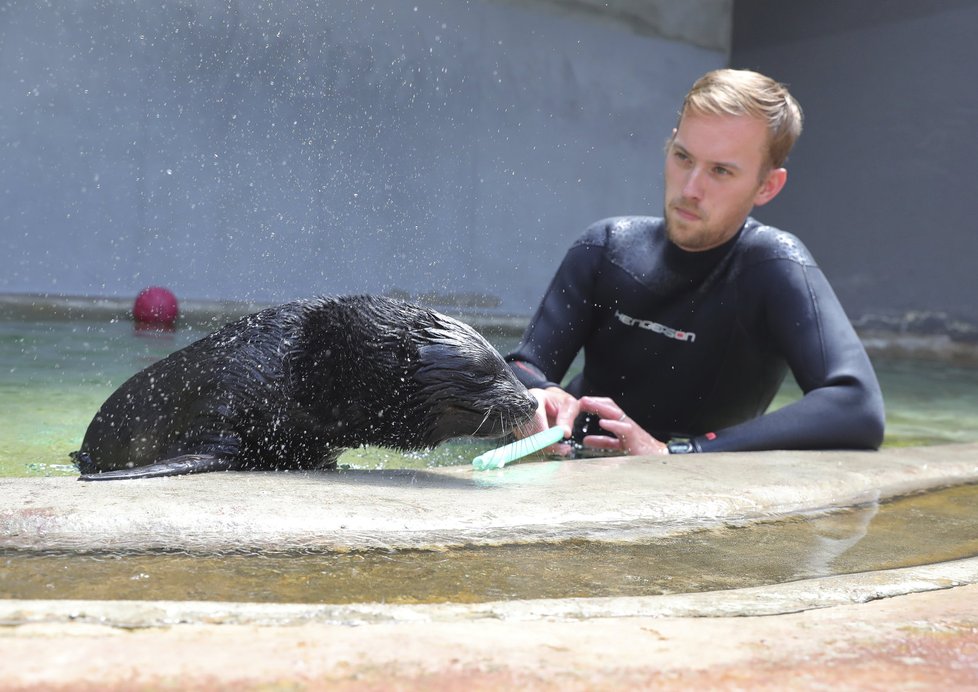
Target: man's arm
(842, 406)
(561, 323)
(556, 334)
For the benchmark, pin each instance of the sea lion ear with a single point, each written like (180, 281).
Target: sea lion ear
(441, 354)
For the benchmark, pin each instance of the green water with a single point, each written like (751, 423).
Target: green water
(55, 375)
(870, 537)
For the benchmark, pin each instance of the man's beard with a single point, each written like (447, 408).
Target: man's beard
(674, 226)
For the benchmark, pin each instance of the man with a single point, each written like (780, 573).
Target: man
(689, 323)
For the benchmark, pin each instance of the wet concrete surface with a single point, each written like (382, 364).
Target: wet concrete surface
(914, 628)
(443, 507)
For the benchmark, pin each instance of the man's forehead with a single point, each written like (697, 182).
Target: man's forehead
(739, 140)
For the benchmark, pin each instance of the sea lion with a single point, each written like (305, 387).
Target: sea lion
(293, 386)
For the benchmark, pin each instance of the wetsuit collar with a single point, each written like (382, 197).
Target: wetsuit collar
(700, 263)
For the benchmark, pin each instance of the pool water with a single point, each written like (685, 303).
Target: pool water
(869, 537)
(56, 374)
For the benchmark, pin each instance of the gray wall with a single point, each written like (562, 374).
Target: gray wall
(883, 185)
(268, 150)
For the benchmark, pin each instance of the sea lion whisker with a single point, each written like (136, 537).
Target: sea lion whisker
(524, 428)
(481, 423)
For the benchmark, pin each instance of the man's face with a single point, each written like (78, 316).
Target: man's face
(713, 178)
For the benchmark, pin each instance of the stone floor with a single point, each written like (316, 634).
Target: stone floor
(919, 641)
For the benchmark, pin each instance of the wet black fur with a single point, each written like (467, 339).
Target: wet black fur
(292, 386)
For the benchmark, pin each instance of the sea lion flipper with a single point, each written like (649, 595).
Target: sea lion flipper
(83, 461)
(177, 466)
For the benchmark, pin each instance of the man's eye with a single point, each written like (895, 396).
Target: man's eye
(721, 171)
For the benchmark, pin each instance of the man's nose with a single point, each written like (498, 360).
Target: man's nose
(693, 184)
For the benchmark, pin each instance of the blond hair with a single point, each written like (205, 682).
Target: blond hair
(743, 92)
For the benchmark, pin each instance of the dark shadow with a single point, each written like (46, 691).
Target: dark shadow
(538, 472)
(398, 478)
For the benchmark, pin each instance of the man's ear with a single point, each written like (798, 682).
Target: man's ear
(771, 185)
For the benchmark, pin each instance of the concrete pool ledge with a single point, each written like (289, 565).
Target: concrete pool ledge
(598, 499)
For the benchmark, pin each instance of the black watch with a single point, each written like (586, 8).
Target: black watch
(681, 446)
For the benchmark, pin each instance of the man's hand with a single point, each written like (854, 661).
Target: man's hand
(629, 437)
(554, 407)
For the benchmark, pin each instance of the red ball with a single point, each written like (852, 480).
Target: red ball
(155, 305)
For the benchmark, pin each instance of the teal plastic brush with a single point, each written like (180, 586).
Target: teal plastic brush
(497, 458)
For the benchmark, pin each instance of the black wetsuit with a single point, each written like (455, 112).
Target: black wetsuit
(696, 344)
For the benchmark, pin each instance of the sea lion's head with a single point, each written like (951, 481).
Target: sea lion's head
(464, 386)
(404, 376)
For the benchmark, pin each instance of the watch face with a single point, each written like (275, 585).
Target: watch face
(680, 447)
